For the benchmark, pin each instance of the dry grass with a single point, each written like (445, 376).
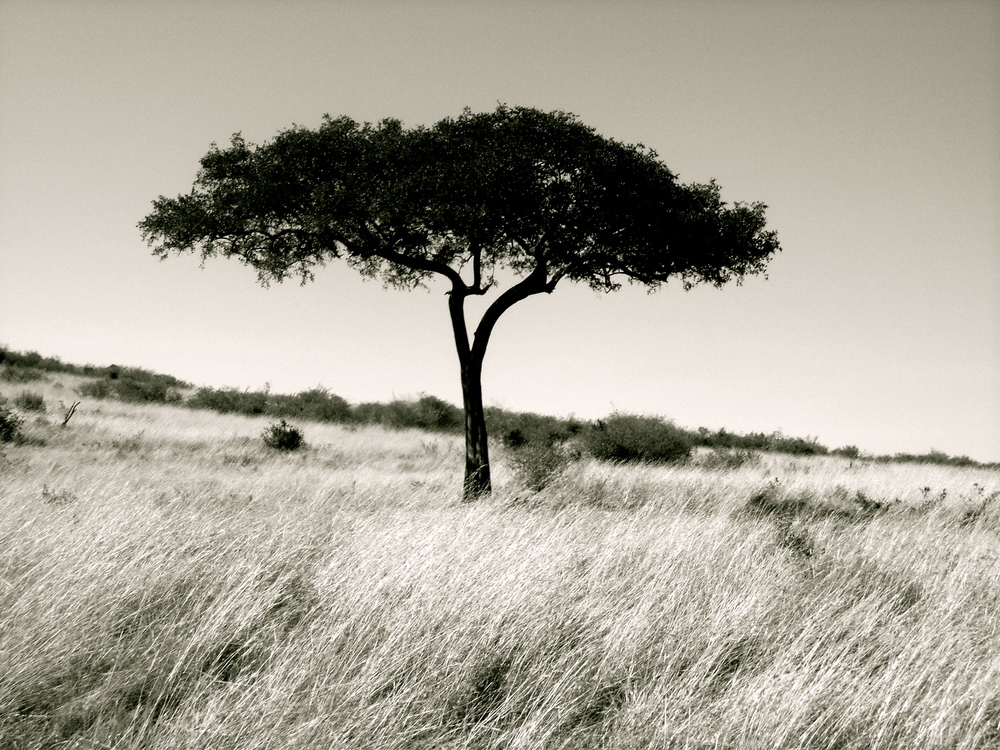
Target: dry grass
(167, 582)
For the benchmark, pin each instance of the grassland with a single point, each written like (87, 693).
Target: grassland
(166, 581)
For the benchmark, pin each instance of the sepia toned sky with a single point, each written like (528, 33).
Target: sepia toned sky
(870, 129)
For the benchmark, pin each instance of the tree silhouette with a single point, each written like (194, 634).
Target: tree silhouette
(539, 196)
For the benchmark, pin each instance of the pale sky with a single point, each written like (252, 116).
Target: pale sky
(870, 129)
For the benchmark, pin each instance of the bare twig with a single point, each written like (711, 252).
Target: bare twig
(70, 413)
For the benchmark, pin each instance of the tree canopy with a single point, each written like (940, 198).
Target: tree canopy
(537, 194)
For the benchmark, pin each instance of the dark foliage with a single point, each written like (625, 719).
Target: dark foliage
(283, 437)
(10, 424)
(29, 401)
(629, 437)
(317, 404)
(775, 442)
(539, 464)
(134, 385)
(934, 457)
(230, 401)
(425, 413)
(20, 374)
(515, 429)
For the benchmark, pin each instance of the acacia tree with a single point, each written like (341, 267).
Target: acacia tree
(539, 196)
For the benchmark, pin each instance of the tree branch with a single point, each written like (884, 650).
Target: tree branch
(534, 283)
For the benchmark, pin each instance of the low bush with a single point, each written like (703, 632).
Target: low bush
(10, 424)
(539, 464)
(316, 404)
(629, 437)
(848, 451)
(20, 374)
(133, 385)
(230, 401)
(283, 437)
(29, 401)
(515, 429)
(424, 413)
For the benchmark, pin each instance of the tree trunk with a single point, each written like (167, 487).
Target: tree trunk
(470, 358)
(477, 457)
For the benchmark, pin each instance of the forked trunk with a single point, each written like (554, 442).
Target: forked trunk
(477, 458)
(470, 358)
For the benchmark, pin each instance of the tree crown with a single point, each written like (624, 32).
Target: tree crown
(537, 193)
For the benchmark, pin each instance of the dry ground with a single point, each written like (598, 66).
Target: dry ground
(168, 582)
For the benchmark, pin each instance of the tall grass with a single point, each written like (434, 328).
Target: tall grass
(168, 582)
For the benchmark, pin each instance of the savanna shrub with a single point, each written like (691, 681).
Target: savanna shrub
(317, 404)
(18, 374)
(424, 413)
(95, 389)
(629, 437)
(230, 400)
(519, 428)
(29, 401)
(133, 385)
(10, 424)
(283, 436)
(848, 451)
(538, 464)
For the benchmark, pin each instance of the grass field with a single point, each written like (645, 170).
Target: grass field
(166, 581)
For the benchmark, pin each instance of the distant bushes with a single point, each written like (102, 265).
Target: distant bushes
(775, 442)
(618, 437)
(933, 457)
(629, 437)
(425, 413)
(229, 401)
(134, 385)
(19, 374)
(316, 404)
(515, 429)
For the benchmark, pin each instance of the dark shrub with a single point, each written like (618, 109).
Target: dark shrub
(282, 436)
(317, 404)
(538, 464)
(18, 374)
(10, 424)
(133, 385)
(230, 400)
(514, 429)
(848, 451)
(28, 401)
(95, 389)
(629, 437)
(435, 414)
(809, 446)
(424, 413)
